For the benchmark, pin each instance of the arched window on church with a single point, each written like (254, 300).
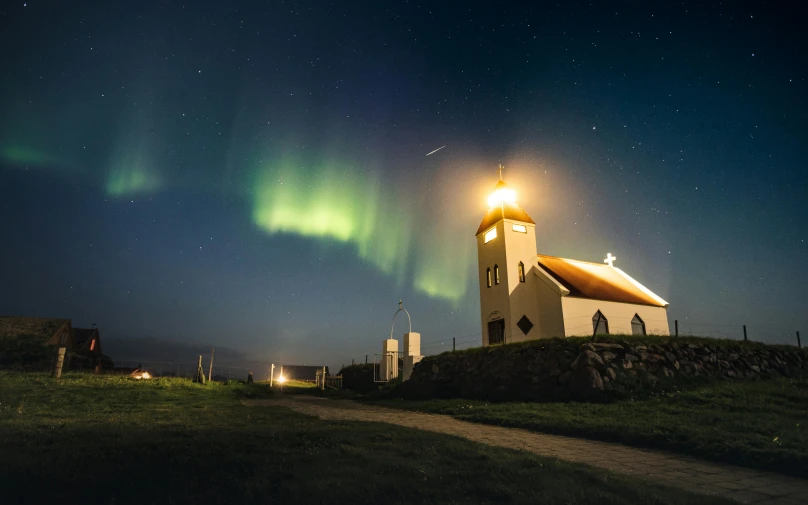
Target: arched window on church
(600, 325)
(488, 276)
(637, 325)
(521, 272)
(496, 274)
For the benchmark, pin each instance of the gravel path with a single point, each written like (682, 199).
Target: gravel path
(742, 484)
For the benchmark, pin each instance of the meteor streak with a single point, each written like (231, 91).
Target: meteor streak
(436, 150)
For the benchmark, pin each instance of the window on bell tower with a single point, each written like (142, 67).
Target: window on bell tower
(490, 235)
(488, 276)
(521, 272)
(496, 274)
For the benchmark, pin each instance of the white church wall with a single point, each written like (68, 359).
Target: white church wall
(578, 314)
(551, 312)
(523, 296)
(494, 301)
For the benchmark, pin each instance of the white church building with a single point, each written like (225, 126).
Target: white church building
(525, 295)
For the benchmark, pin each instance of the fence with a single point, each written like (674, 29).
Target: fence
(322, 380)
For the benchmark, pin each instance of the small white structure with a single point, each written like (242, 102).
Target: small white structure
(525, 295)
(388, 363)
(411, 354)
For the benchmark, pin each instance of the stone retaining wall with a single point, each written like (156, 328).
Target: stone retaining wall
(557, 369)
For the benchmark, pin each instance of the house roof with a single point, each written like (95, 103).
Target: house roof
(83, 336)
(40, 328)
(599, 282)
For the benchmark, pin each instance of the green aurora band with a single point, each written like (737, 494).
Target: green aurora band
(403, 239)
(335, 204)
(128, 179)
(20, 155)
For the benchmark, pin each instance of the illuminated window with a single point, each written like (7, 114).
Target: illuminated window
(496, 274)
(92, 345)
(599, 324)
(637, 325)
(488, 276)
(490, 235)
(520, 228)
(521, 272)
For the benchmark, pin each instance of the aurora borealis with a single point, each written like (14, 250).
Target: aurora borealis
(255, 175)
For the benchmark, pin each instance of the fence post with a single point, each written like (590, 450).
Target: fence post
(60, 361)
(744, 333)
(271, 370)
(454, 344)
(799, 344)
(676, 325)
(210, 369)
(323, 388)
(200, 374)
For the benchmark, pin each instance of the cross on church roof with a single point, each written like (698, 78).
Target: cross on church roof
(610, 259)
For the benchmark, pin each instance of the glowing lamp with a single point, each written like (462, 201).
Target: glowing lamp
(501, 196)
(281, 379)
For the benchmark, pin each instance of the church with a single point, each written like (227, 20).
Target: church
(525, 295)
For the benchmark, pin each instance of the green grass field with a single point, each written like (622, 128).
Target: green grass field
(87, 439)
(760, 424)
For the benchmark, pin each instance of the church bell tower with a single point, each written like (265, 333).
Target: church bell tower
(506, 256)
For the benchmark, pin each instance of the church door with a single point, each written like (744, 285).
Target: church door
(496, 332)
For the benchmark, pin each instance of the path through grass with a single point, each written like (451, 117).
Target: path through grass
(90, 439)
(761, 424)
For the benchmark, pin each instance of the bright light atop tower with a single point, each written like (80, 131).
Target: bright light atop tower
(500, 196)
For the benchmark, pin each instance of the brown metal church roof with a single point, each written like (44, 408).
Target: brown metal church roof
(593, 280)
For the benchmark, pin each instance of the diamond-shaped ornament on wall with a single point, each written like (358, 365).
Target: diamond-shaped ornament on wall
(525, 325)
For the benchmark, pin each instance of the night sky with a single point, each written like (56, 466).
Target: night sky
(255, 176)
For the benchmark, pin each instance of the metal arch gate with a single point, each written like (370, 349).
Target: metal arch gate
(389, 358)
